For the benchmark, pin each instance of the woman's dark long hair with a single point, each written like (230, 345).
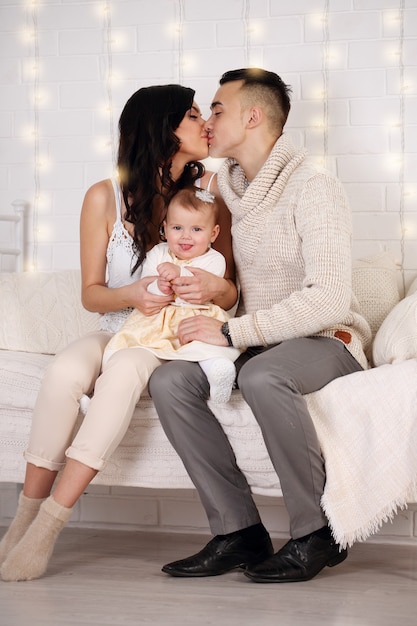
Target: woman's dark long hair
(147, 146)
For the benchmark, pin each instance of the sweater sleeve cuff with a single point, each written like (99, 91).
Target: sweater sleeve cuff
(244, 332)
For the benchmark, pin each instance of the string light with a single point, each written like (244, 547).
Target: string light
(402, 138)
(109, 78)
(325, 71)
(33, 17)
(247, 41)
(180, 47)
(30, 34)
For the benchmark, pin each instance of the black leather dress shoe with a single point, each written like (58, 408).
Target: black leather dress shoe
(224, 553)
(298, 560)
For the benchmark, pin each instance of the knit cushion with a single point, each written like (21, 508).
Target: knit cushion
(375, 284)
(42, 311)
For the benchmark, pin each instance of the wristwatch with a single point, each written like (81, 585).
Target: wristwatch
(225, 332)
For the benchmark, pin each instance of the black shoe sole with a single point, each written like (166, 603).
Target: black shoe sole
(259, 578)
(179, 574)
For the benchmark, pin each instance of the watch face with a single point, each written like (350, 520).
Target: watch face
(225, 332)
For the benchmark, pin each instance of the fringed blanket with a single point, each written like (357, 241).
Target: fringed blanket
(367, 426)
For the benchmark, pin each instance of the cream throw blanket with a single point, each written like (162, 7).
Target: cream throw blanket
(367, 427)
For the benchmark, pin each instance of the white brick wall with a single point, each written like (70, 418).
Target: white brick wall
(366, 134)
(364, 130)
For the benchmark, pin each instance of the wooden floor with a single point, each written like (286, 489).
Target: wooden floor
(101, 577)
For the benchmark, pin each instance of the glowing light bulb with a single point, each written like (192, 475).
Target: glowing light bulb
(318, 19)
(26, 35)
(43, 163)
(391, 19)
(172, 29)
(256, 30)
(118, 40)
(189, 63)
(394, 161)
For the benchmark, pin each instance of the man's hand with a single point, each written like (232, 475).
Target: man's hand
(200, 288)
(201, 328)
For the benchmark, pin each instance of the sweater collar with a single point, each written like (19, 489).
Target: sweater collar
(268, 184)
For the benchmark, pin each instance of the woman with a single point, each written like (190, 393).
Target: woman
(161, 135)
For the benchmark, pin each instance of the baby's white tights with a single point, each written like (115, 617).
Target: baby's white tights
(221, 374)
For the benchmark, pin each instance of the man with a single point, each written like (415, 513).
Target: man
(299, 321)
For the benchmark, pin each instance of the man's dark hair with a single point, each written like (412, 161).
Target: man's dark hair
(265, 85)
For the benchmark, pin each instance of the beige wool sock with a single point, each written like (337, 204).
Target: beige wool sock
(27, 510)
(30, 557)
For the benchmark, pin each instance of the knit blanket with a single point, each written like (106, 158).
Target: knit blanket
(367, 427)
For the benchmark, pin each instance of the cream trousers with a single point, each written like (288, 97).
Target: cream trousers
(75, 371)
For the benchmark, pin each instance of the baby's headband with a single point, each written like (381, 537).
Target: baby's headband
(204, 195)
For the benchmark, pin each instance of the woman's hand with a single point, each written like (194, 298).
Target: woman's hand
(146, 302)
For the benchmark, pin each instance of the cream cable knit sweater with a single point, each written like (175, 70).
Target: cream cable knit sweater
(292, 246)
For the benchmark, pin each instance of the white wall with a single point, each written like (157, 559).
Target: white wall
(363, 53)
(353, 68)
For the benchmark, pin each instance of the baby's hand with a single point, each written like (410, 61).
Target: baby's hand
(168, 271)
(165, 286)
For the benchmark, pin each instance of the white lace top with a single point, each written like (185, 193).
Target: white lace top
(120, 259)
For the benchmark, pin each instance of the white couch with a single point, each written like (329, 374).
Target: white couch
(366, 422)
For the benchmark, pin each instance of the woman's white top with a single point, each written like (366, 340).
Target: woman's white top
(121, 257)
